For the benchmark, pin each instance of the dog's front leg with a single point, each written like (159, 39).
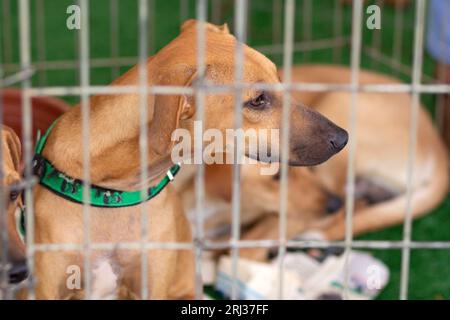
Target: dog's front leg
(268, 229)
(170, 275)
(53, 277)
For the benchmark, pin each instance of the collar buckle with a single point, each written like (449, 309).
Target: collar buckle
(38, 165)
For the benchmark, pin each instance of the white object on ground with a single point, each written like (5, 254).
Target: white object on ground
(208, 269)
(256, 280)
(306, 277)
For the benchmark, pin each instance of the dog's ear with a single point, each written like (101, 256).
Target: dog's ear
(189, 24)
(11, 147)
(169, 110)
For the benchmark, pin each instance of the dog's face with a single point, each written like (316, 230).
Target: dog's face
(12, 201)
(313, 138)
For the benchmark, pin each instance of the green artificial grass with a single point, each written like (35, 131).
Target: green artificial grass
(429, 275)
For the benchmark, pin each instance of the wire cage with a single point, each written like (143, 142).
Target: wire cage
(44, 58)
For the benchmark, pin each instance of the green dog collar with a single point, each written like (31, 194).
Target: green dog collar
(72, 189)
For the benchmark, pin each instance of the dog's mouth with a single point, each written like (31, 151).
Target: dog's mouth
(266, 158)
(309, 152)
(303, 156)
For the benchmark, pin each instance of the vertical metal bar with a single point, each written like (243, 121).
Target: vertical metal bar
(25, 63)
(85, 109)
(114, 28)
(40, 39)
(289, 11)
(4, 239)
(307, 25)
(184, 11)
(337, 30)
(201, 12)
(350, 188)
(442, 75)
(415, 104)
(143, 142)
(240, 13)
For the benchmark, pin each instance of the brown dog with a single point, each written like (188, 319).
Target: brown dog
(114, 159)
(13, 203)
(381, 164)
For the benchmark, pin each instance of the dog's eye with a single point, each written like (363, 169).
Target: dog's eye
(13, 195)
(259, 102)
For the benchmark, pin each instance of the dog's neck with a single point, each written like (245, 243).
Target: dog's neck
(113, 141)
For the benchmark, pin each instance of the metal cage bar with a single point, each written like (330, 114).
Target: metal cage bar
(311, 87)
(284, 152)
(143, 140)
(240, 19)
(85, 139)
(25, 60)
(415, 105)
(4, 238)
(201, 14)
(350, 184)
(442, 76)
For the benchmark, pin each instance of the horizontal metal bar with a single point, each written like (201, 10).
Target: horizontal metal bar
(111, 90)
(394, 64)
(130, 245)
(356, 244)
(306, 87)
(21, 185)
(306, 46)
(74, 64)
(129, 61)
(17, 77)
(213, 245)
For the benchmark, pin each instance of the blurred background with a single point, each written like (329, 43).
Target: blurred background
(322, 35)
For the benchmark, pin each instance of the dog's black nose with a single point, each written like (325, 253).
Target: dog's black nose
(339, 139)
(18, 272)
(333, 204)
